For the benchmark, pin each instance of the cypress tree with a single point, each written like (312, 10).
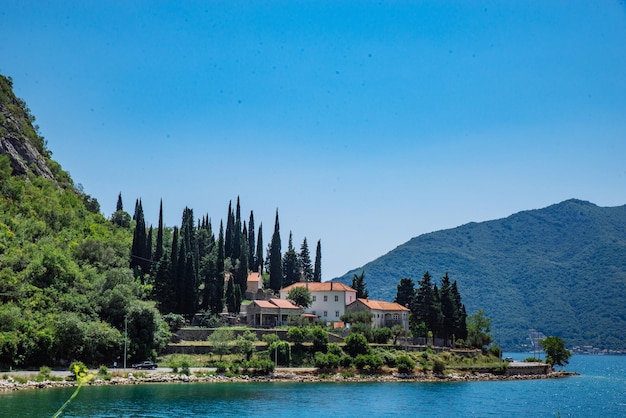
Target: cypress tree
(163, 291)
(228, 237)
(147, 262)
(305, 262)
(291, 264)
(460, 328)
(424, 305)
(276, 267)
(236, 250)
(138, 249)
(405, 293)
(358, 284)
(217, 297)
(119, 207)
(252, 263)
(258, 266)
(317, 272)
(241, 271)
(158, 250)
(449, 310)
(233, 296)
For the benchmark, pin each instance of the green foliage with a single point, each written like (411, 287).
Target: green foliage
(381, 335)
(356, 344)
(556, 353)
(270, 338)
(319, 338)
(221, 341)
(358, 284)
(405, 364)
(174, 321)
(296, 335)
(478, 330)
(359, 317)
(326, 361)
(495, 351)
(245, 344)
(300, 296)
(282, 350)
(438, 366)
(368, 362)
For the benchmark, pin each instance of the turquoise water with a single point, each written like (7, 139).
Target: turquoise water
(600, 391)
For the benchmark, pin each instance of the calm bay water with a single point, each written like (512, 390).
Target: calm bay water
(600, 391)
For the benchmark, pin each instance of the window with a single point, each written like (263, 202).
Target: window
(336, 314)
(313, 312)
(325, 298)
(336, 298)
(325, 314)
(313, 298)
(396, 317)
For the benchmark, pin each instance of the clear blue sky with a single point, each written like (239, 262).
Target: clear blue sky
(365, 123)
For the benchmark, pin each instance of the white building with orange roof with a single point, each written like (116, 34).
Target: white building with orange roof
(329, 299)
(384, 314)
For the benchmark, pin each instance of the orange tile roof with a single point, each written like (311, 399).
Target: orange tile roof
(381, 305)
(320, 287)
(276, 303)
(254, 277)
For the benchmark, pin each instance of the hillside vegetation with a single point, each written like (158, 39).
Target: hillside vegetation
(560, 270)
(65, 283)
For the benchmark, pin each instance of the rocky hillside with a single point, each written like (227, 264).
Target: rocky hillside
(560, 270)
(19, 138)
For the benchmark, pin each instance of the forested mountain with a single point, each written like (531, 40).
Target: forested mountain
(560, 270)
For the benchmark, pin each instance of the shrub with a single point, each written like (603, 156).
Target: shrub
(364, 329)
(221, 366)
(259, 366)
(388, 357)
(319, 338)
(368, 362)
(438, 366)
(44, 373)
(495, 351)
(270, 338)
(282, 350)
(184, 367)
(381, 335)
(296, 335)
(334, 348)
(356, 344)
(326, 361)
(405, 364)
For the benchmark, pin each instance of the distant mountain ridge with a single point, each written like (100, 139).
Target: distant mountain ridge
(560, 270)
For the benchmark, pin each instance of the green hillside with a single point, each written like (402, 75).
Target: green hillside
(65, 284)
(560, 270)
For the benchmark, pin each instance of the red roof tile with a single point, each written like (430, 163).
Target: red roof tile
(381, 305)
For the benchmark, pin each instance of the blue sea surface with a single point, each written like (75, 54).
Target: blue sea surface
(599, 391)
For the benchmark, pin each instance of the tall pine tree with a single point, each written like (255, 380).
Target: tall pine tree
(317, 272)
(276, 264)
(305, 262)
(259, 250)
(291, 264)
(358, 284)
(252, 266)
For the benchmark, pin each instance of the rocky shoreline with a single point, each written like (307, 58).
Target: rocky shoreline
(10, 384)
